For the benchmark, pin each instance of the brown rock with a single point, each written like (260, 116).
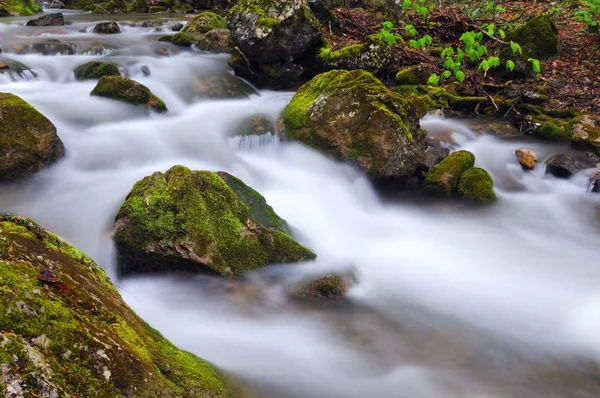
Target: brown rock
(527, 158)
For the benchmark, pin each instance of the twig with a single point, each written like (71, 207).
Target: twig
(512, 107)
(491, 99)
(246, 59)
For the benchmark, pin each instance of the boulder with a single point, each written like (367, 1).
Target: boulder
(46, 47)
(371, 55)
(585, 134)
(527, 158)
(538, 38)
(192, 221)
(217, 41)
(434, 156)
(219, 86)
(177, 27)
(107, 28)
(67, 332)
(96, 69)
(414, 75)
(477, 185)
(443, 178)
(330, 287)
(124, 89)
(11, 66)
(552, 132)
(562, 165)
(205, 22)
(278, 75)
(54, 19)
(19, 7)
(155, 23)
(351, 116)
(57, 4)
(28, 139)
(272, 30)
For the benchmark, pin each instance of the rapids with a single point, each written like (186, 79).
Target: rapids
(453, 300)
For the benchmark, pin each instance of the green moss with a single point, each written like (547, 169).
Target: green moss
(476, 184)
(552, 132)
(185, 39)
(413, 75)
(18, 7)
(204, 22)
(96, 69)
(124, 89)
(258, 8)
(443, 178)
(444, 98)
(200, 209)
(328, 287)
(69, 334)
(267, 23)
(327, 55)
(111, 6)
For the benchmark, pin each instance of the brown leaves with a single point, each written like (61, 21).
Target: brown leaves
(47, 277)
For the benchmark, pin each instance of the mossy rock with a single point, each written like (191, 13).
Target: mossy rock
(96, 69)
(448, 98)
(585, 134)
(351, 116)
(124, 89)
(443, 178)
(219, 86)
(413, 75)
(477, 185)
(267, 31)
(330, 287)
(28, 139)
(205, 22)
(217, 41)
(109, 6)
(258, 124)
(552, 132)
(19, 8)
(193, 221)
(67, 332)
(183, 38)
(538, 38)
(107, 28)
(371, 55)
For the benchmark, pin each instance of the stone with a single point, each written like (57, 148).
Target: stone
(54, 19)
(527, 158)
(351, 116)
(124, 89)
(205, 22)
(96, 69)
(194, 221)
(155, 23)
(107, 28)
(562, 165)
(414, 75)
(216, 40)
(329, 287)
(371, 55)
(28, 139)
(476, 185)
(57, 4)
(443, 178)
(177, 27)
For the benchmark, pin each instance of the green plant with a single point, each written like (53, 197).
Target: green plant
(386, 34)
(589, 12)
(418, 6)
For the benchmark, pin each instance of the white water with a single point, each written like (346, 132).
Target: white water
(453, 301)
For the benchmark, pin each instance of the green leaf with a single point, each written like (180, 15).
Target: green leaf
(413, 44)
(391, 39)
(537, 68)
(446, 74)
(447, 51)
(516, 48)
(485, 65)
(460, 75)
(406, 4)
(433, 80)
(510, 65)
(501, 33)
(388, 25)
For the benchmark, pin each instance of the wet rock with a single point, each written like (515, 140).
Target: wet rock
(11, 66)
(594, 185)
(330, 287)
(205, 22)
(194, 221)
(54, 19)
(124, 89)
(177, 27)
(562, 165)
(255, 125)
(47, 47)
(351, 116)
(19, 7)
(221, 86)
(443, 178)
(28, 139)
(527, 158)
(271, 30)
(183, 38)
(477, 185)
(155, 23)
(96, 69)
(371, 55)
(56, 4)
(414, 75)
(217, 41)
(107, 28)
(434, 156)
(145, 70)
(278, 75)
(85, 340)
(98, 49)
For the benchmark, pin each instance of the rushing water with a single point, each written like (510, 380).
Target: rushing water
(452, 300)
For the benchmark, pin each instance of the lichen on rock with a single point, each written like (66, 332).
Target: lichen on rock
(124, 89)
(193, 221)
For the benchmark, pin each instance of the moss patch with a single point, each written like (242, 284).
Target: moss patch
(205, 22)
(124, 89)
(96, 69)
(443, 178)
(550, 131)
(18, 7)
(476, 184)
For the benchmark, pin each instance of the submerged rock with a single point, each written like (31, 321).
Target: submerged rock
(124, 89)
(96, 69)
(155, 23)
(19, 7)
(271, 30)
(54, 19)
(11, 66)
(444, 177)
(28, 139)
(329, 287)
(352, 116)
(67, 332)
(193, 221)
(217, 41)
(107, 28)
(258, 124)
(223, 85)
(46, 47)
(476, 184)
(177, 27)
(527, 158)
(562, 165)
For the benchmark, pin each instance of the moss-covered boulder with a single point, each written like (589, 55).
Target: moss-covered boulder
(28, 140)
(371, 55)
(415, 75)
(205, 22)
(443, 178)
(66, 332)
(538, 38)
(18, 7)
(96, 69)
(124, 89)
(216, 41)
(271, 30)
(352, 116)
(477, 185)
(552, 132)
(330, 287)
(193, 221)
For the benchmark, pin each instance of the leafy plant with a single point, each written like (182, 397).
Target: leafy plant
(386, 34)
(418, 6)
(588, 13)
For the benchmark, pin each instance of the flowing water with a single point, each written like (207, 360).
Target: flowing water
(452, 300)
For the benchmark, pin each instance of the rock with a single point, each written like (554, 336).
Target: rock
(594, 185)
(585, 134)
(278, 75)
(177, 27)
(414, 75)
(54, 19)
(476, 184)
(56, 4)
(183, 38)
(211, 4)
(562, 165)
(352, 116)
(255, 125)
(19, 7)
(124, 89)
(11, 66)
(444, 177)
(47, 47)
(219, 86)
(107, 28)
(552, 132)
(145, 70)
(371, 55)
(434, 156)
(28, 139)
(329, 287)
(217, 41)
(98, 49)
(78, 336)
(205, 22)
(96, 69)
(193, 221)
(271, 30)
(527, 158)
(538, 38)
(155, 23)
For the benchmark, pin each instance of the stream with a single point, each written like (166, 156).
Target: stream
(453, 300)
